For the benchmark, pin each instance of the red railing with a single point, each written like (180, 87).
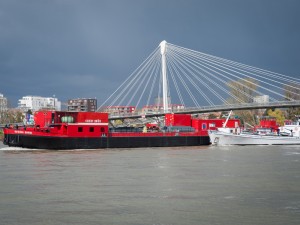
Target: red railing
(157, 134)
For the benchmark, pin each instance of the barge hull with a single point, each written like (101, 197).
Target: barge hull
(62, 143)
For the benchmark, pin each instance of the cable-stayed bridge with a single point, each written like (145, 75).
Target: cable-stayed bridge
(180, 80)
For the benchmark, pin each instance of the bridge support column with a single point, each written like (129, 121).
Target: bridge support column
(163, 49)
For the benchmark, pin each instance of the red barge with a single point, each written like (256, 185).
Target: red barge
(90, 130)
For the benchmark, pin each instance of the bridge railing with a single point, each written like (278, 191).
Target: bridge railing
(281, 104)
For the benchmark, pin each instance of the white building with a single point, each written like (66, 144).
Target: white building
(35, 103)
(3, 103)
(261, 99)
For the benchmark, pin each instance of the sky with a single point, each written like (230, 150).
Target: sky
(87, 48)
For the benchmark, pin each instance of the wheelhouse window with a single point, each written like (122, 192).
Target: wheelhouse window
(102, 129)
(80, 129)
(91, 129)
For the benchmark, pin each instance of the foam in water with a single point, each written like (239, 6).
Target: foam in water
(16, 149)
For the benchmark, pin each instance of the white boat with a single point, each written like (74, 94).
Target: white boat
(291, 128)
(289, 134)
(224, 138)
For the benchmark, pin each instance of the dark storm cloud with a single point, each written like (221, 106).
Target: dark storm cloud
(87, 48)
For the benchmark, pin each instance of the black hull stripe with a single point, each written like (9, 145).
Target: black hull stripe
(58, 143)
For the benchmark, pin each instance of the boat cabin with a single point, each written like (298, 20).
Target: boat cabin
(92, 124)
(267, 125)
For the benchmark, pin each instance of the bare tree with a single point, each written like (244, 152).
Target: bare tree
(243, 91)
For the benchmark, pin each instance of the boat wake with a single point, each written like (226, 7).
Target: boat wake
(292, 153)
(17, 149)
(20, 149)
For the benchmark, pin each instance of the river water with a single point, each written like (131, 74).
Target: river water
(190, 185)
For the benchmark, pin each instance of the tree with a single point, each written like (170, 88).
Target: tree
(278, 115)
(11, 116)
(212, 116)
(243, 91)
(223, 114)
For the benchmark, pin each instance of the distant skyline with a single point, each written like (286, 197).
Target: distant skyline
(86, 49)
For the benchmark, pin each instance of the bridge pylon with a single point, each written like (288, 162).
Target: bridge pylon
(163, 50)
